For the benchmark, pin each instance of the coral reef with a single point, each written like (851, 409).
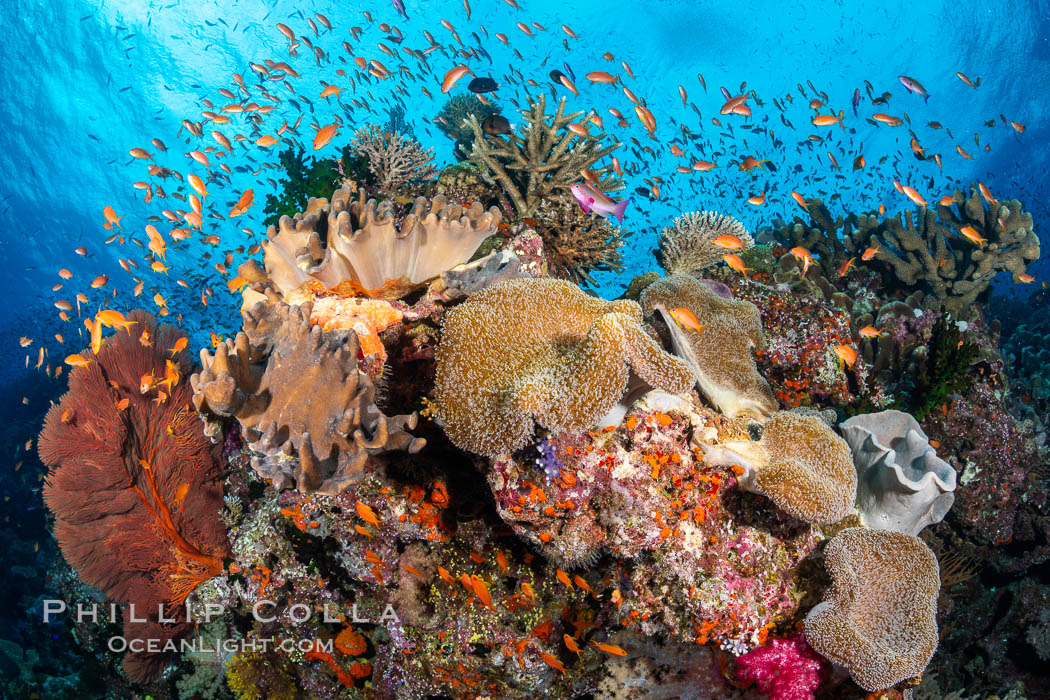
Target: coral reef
(545, 159)
(785, 669)
(300, 399)
(880, 618)
(720, 351)
(578, 244)
(903, 484)
(688, 244)
(540, 351)
(356, 246)
(134, 485)
(393, 159)
(800, 464)
(456, 112)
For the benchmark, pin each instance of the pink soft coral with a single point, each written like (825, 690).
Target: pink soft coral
(785, 669)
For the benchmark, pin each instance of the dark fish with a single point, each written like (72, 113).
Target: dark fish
(495, 124)
(556, 75)
(856, 100)
(482, 85)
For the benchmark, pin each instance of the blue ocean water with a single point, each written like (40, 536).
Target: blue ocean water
(85, 82)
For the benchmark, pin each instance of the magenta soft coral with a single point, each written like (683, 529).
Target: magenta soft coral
(784, 669)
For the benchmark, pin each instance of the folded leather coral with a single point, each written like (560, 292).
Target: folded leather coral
(880, 617)
(358, 246)
(135, 491)
(904, 485)
(800, 464)
(720, 354)
(541, 351)
(301, 399)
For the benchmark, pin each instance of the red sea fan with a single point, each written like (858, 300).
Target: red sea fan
(134, 485)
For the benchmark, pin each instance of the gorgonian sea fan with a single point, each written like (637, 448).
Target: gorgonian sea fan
(134, 485)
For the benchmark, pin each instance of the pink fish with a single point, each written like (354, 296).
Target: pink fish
(591, 199)
(913, 85)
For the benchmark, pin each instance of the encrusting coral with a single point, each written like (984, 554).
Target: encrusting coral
(393, 159)
(356, 246)
(134, 486)
(545, 158)
(903, 484)
(540, 350)
(880, 618)
(301, 400)
(688, 244)
(800, 464)
(720, 353)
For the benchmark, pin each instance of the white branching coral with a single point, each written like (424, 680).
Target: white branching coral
(393, 159)
(688, 244)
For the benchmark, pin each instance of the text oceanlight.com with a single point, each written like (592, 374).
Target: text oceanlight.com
(215, 646)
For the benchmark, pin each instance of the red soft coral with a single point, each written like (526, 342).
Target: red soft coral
(785, 669)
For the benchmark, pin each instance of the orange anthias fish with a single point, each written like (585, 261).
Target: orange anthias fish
(452, 76)
(750, 163)
(553, 662)
(970, 234)
(869, 253)
(805, 256)
(800, 200)
(887, 119)
(686, 319)
(609, 648)
(758, 199)
(728, 240)
(571, 644)
(367, 514)
(828, 120)
(325, 135)
(847, 354)
(736, 262)
(243, 204)
(844, 267)
(871, 332)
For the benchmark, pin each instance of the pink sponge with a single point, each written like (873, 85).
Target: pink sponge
(785, 669)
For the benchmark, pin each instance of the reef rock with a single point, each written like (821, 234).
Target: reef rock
(902, 484)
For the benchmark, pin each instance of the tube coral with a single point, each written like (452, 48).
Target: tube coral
(880, 618)
(134, 486)
(720, 352)
(540, 350)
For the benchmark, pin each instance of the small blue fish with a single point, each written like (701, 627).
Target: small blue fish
(856, 100)
(399, 5)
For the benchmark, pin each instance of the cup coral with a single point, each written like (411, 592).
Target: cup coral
(134, 485)
(904, 485)
(800, 464)
(688, 244)
(357, 246)
(720, 353)
(880, 618)
(540, 350)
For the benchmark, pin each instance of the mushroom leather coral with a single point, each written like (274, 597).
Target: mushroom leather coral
(298, 392)
(357, 246)
(800, 464)
(136, 493)
(540, 350)
(880, 618)
(720, 355)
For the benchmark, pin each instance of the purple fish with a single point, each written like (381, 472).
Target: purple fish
(591, 199)
(569, 71)
(399, 5)
(856, 100)
(913, 85)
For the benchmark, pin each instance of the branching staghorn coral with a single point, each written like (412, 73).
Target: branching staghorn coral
(301, 400)
(358, 246)
(540, 351)
(800, 464)
(545, 158)
(687, 245)
(394, 160)
(880, 617)
(720, 354)
(135, 487)
(578, 243)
